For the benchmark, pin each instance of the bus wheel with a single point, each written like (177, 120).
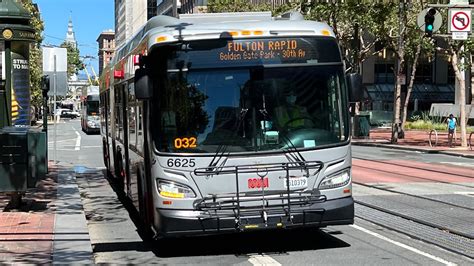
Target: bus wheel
(105, 155)
(120, 171)
(143, 206)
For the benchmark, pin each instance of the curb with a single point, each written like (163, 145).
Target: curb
(71, 244)
(389, 146)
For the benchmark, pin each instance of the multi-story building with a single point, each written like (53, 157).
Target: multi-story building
(130, 15)
(106, 42)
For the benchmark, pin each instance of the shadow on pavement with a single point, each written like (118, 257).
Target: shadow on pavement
(242, 244)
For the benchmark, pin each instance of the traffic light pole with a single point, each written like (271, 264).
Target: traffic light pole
(45, 113)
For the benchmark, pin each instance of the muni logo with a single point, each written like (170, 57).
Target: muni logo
(258, 182)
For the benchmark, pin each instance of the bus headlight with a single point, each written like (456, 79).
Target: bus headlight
(337, 180)
(176, 191)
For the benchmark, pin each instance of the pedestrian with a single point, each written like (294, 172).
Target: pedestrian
(451, 129)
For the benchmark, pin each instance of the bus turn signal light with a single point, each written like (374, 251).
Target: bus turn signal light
(161, 39)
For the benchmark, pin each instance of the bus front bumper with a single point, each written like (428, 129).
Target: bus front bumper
(181, 223)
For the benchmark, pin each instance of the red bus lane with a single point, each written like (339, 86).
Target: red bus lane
(400, 171)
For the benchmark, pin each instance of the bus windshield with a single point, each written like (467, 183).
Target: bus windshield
(251, 108)
(92, 107)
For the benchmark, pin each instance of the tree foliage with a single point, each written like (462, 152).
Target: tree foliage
(219, 6)
(35, 60)
(358, 26)
(74, 62)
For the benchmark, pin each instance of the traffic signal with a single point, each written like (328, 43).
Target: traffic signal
(45, 85)
(429, 22)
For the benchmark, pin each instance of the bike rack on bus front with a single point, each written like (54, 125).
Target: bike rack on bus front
(232, 203)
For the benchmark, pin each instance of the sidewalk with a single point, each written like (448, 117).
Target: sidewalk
(415, 140)
(49, 227)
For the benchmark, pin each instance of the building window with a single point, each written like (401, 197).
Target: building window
(152, 8)
(451, 74)
(384, 73)
(424, 73)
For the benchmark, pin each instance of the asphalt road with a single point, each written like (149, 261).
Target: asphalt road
(116, 239)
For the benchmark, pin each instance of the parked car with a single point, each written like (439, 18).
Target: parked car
(67, 113)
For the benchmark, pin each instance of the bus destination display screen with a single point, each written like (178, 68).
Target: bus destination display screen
(254, 52)
(288, 49)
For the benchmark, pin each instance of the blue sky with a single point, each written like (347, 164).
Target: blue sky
(89, 18)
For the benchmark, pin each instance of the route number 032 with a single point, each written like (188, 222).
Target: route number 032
(180, 143)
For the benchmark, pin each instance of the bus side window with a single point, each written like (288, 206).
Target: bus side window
(102, 110)
(118, 113)
(132, 116)
(109, 113)
(139, 127)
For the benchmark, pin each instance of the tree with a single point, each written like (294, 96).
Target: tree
(461, 60)
(416, 44)
(358, 26)
(74, 62)
(217, 6)
(403, 39)
(35, 60)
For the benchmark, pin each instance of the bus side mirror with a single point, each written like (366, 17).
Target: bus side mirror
(143, 85)
(356, 91)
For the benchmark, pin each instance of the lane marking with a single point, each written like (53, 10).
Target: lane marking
(78, 141)
(262, 260)
(403, 245)
(465, 193)
(63, 140)
(469, 165)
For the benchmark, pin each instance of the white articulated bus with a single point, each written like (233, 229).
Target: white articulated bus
(230, 122)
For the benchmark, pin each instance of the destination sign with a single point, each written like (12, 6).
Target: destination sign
(254, 52)
(282, 50)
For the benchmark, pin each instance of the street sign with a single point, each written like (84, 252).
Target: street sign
(459, 35)
(460, 20)
(421, 20)
(459, 2)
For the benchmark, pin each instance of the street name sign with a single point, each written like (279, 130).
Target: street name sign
(459, 35)
(459, 2)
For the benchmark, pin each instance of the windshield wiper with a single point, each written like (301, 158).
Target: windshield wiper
(222, 148)
(293, 152)
(298, 157)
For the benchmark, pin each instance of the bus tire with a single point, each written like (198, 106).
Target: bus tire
(143, 207)
(119, 170)
(105, 155)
